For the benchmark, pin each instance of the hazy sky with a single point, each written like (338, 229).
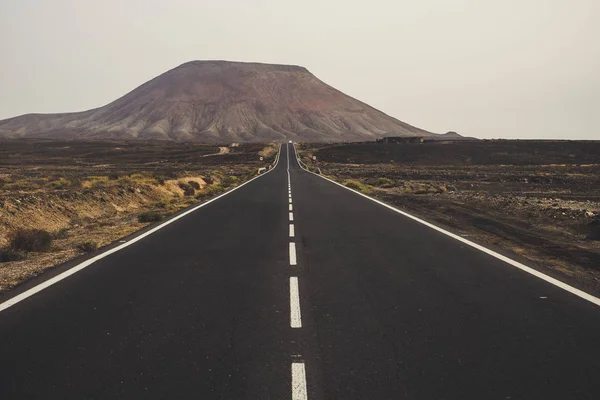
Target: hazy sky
(485, 68)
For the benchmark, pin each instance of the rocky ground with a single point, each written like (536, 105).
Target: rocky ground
(88, 194)
(538, 202)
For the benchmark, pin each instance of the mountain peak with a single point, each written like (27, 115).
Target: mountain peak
(241, 64)
(223, 101)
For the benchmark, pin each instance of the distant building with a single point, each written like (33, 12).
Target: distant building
(401, 139)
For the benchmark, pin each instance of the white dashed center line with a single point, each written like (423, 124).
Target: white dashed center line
(295, 318)
(292, 253)
(299, 381)
(299, 389)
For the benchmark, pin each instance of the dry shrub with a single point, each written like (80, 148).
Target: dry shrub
(11, 255)
(28, 240)
(61, 233)
(210, 191)
(87, 247)
(188, 190)
(150, 216)
(229, 181)
(357, 185)
(384, 182)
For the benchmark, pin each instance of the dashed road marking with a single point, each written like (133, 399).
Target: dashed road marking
(299, 381)
(292, 253)
(295, 316)
(299, 390)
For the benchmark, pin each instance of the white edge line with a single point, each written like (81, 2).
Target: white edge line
(299, 391)
(523, 267)
(38, 288)
(293, 253)
(295, 315)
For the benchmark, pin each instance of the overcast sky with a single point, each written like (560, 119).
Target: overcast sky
(484, 68)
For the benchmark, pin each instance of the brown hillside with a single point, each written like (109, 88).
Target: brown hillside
(221, 101)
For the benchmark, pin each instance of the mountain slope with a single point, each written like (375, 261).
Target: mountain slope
(221, 101)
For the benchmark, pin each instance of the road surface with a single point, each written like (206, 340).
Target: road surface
(292, 287)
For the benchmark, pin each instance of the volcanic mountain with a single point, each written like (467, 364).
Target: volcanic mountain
(221, 101)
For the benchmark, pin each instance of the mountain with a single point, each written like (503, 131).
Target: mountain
(222, 101)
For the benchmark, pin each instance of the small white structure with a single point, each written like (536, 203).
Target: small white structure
(262, 170)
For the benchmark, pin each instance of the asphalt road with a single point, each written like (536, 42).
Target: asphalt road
(353, 302)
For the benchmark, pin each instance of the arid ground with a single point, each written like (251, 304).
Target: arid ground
(60, 199)
(535, 201)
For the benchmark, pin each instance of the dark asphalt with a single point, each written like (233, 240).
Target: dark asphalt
(390, 309)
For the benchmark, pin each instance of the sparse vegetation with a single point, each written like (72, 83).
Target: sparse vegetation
(61, 183)
(28, 240)
(150, 216)
(11, 255)
(269, 153)
(357, 185)
(229, 181)
(61, 233)
(210, 191)
(161, 204)
(384, 182)
(188, 190)
(87, 246)
(82, 190)
(424, 188)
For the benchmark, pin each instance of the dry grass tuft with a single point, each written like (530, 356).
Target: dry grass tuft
(28, 240)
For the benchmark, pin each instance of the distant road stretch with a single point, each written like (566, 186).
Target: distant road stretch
(292, 287)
